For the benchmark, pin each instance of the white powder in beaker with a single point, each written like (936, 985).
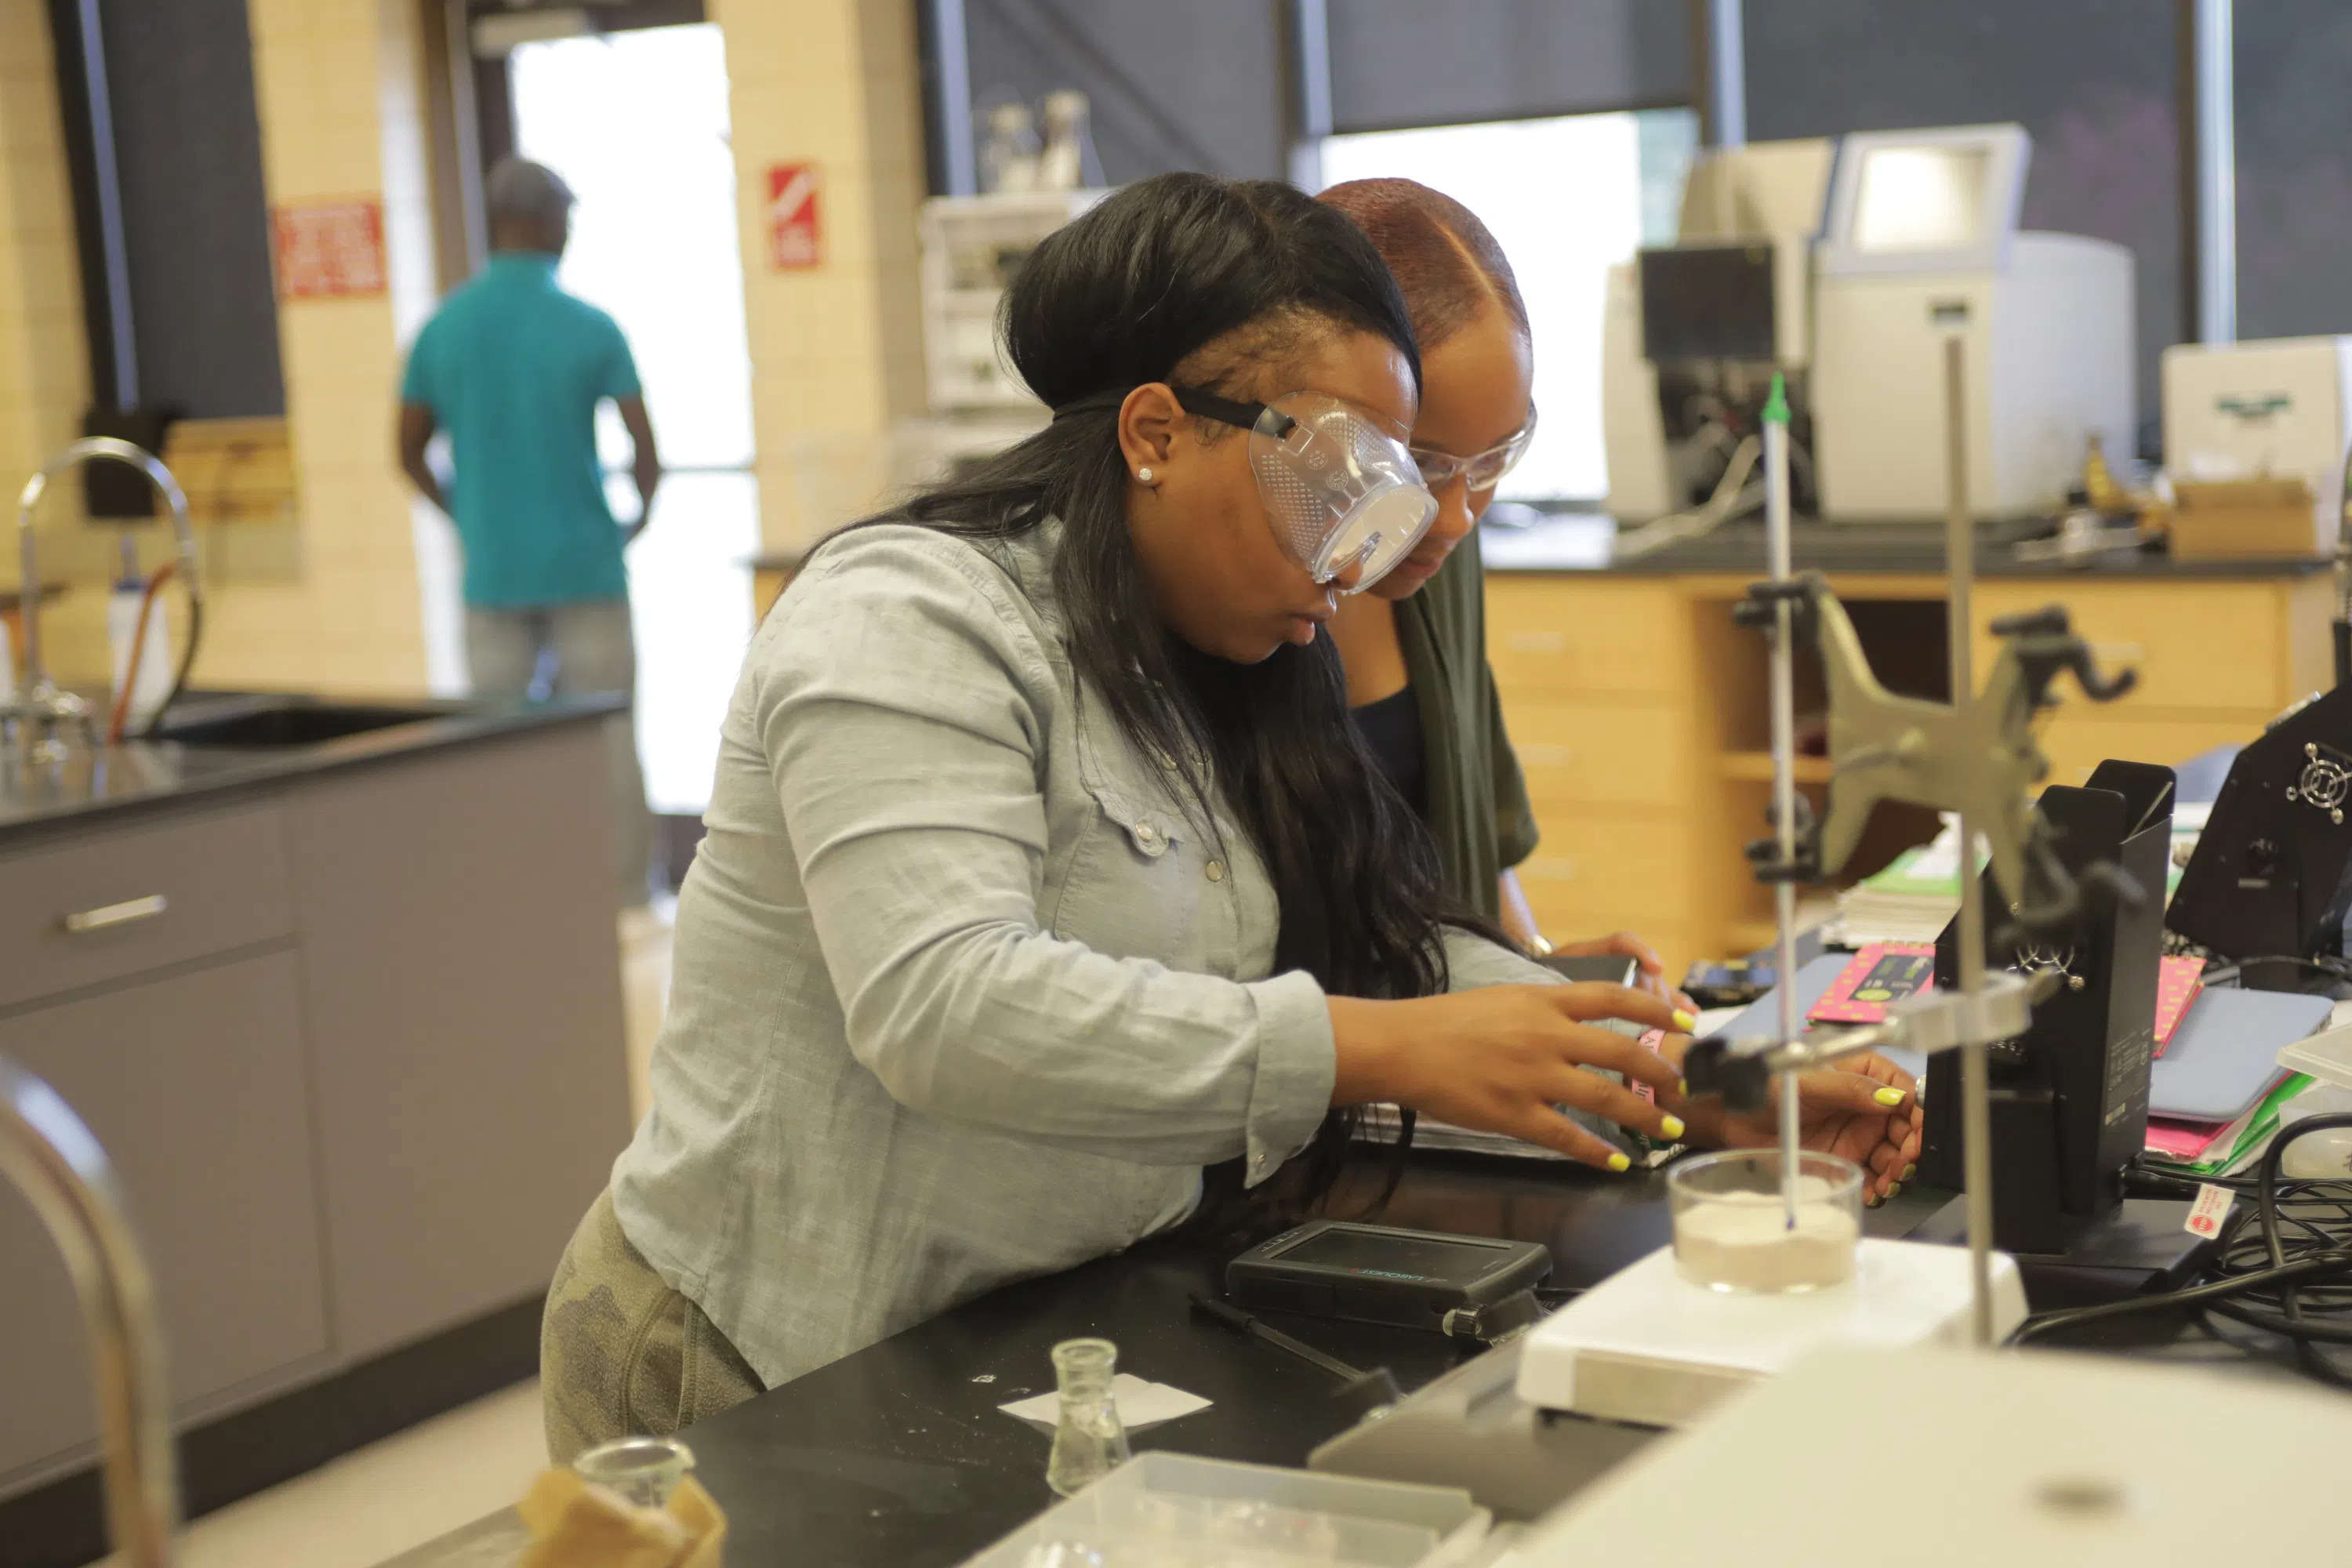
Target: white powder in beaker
(1742, 1241)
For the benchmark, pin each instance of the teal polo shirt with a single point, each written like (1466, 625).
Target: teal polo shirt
(513, 368)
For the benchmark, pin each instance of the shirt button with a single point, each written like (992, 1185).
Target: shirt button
(1216, 871)
(1146, 834)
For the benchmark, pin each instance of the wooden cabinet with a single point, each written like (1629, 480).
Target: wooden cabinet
(196, 1085)
(1637, 711)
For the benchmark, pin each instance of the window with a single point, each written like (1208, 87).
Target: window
(2295, 168)
(1567, 198)
(2095, 82)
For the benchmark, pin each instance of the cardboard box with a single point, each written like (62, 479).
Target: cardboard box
(2237, 519)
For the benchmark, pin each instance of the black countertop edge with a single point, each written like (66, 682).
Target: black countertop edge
(139, 775)
(1582, 544)
(896, 1454)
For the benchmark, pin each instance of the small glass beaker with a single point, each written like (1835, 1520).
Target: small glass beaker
(1733, 1229)
(1090, 1439)
(644, 1471)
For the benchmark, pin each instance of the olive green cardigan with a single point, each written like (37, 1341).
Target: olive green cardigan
(1478, 809)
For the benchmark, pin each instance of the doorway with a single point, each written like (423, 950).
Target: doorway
(636, 123)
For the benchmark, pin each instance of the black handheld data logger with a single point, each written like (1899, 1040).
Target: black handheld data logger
(1378, 1274)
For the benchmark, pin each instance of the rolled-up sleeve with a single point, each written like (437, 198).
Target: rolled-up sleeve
(904, 706)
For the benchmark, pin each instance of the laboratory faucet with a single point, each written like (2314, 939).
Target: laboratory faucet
(41, 706)
(48, 1152)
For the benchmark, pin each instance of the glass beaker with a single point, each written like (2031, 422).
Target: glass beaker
(1732, 1229)
(1089, 1440)
(644, 1471)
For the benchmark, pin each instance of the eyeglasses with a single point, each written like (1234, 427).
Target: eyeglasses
(1483, 471)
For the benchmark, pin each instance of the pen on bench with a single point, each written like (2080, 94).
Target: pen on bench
(1232, 1317)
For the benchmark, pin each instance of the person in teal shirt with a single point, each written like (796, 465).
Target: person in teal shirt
(513, 368)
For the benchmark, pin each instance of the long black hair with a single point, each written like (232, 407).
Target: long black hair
(1253, 271)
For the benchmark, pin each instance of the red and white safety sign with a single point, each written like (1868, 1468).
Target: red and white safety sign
(330, 248)
(795, 239)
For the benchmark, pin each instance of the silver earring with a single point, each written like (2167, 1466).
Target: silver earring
(1145, 475)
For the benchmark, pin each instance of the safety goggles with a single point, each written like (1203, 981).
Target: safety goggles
(1338, 489)
(1483, 471)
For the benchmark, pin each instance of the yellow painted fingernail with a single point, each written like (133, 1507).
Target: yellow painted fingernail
(1682, 1086)
(1893, 1188)
(1673, 1126)
(1888, 1097)
(1619, 1163)
(1685, 1022)
(1910, 1171)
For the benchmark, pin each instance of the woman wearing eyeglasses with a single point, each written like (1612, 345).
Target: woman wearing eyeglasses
(1419, 689)
(1415, 644)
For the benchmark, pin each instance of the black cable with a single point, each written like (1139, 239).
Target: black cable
(2335, 968)
(2283, 1266)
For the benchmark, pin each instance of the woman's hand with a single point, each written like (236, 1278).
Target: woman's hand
(1499, 1059)
(1865, 1109)
(1625, 945)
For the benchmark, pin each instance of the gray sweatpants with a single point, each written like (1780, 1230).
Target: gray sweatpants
(591, 648)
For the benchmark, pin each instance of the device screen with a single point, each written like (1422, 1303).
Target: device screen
(1707, 302)
(1921, 199)
(1379, 1254)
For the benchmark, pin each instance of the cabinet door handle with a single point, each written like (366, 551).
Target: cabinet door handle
(1548, 756)
(1536, 642)
(128, 912)
(1554, 869)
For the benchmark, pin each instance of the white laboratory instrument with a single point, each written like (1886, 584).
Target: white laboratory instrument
(1646, 1345)
(1922, 241)
(2046, 1458)
(2276, 409)
(1709, 318)
(1859, 264)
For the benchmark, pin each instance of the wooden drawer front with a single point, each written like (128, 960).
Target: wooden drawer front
(220, 878)
(2077, 741)
(2204, 645)
(1609, 872)
(1549, 637)
(1576, 755)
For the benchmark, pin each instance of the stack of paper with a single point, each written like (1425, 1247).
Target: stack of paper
(1915, 897)
(2222, 1148)
(1910, 901)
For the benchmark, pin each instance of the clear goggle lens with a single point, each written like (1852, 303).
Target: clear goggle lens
(1339, 492)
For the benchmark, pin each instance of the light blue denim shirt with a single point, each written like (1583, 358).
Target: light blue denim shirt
(960, 995)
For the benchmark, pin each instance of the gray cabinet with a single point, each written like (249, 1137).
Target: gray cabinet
(197, 1087)
(462, 984)
(358, 1062)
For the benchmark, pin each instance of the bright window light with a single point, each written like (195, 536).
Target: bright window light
(1564, 197)
(637, 123)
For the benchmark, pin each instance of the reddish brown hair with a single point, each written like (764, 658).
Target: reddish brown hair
(1447, 263)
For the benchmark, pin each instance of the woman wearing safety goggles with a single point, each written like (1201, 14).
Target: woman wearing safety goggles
(1414, 645)
(1043, 868)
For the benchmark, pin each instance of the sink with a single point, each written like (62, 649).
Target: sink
(286, 722)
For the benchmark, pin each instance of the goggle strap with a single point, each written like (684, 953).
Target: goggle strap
(1206, 405)
(1225, 411)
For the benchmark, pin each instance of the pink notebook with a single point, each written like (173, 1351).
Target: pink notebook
(2178, 982)
(1880, 976)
